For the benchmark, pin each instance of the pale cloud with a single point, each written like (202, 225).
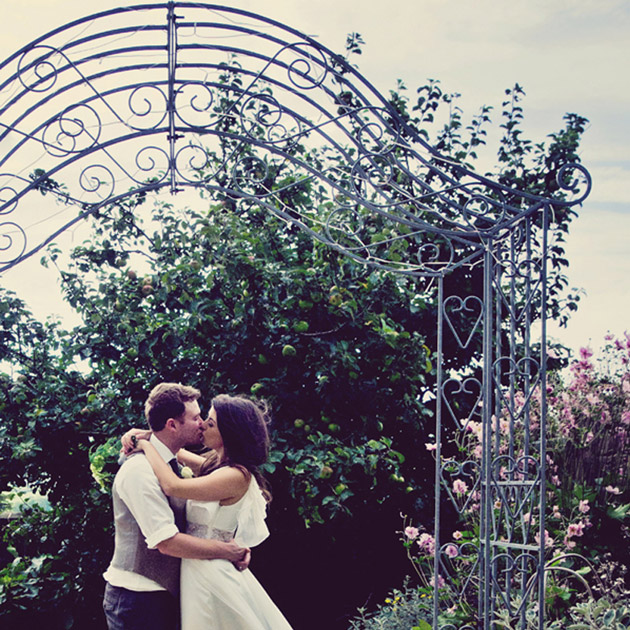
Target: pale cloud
(610, 185)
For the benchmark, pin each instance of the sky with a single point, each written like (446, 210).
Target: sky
(568, 55)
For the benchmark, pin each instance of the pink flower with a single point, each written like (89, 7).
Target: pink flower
(575, 529)
(568, 543)
(412, 532)
(457, 535)
(584, 507)
(430, 446)
(586, 353)
(440, 582)
(451, 551)
(476, 428)
(426, 542)
(548, 539)
(459, 487)
(592, 399)
(625, 417)
(612, 490)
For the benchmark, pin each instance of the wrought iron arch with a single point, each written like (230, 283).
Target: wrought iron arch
(183, 95)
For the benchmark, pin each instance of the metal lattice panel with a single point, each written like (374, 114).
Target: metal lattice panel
(186, 95)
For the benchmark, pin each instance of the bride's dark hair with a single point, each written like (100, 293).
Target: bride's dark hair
(242, 424)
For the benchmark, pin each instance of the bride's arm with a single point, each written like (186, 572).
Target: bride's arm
(192, 460)
(221, 485)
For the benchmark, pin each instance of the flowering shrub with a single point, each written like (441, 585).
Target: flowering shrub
(408, 609)
(588, 453)
(588, 488)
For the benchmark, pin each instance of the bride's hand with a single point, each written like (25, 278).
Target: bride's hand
(243, 563)
(130, 439)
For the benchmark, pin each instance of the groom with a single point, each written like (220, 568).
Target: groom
(142, 589)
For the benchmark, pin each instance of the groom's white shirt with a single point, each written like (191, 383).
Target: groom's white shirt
(138, 487)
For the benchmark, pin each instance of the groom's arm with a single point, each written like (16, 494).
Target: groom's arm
(186, 546)
(141, 492)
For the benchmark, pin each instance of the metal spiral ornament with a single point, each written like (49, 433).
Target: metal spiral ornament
(12, 242)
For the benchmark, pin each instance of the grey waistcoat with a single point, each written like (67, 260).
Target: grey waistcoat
(131, 552)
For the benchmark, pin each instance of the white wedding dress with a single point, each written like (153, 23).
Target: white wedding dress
(214, 594)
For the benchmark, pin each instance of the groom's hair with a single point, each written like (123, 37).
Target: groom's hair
(168, 400)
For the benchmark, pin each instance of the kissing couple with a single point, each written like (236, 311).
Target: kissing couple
(182, 544)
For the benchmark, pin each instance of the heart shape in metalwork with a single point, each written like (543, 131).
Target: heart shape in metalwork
(458, 565)
(456, 311)
(508, 579)
(519, 274)
(461, 480)
(471, 388)
(514, 483)
(522, 376)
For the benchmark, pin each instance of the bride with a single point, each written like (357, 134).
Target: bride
(227, 499)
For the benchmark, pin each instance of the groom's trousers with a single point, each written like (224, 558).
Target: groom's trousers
(133, 610)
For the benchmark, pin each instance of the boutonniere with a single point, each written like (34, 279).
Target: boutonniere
(186, 472)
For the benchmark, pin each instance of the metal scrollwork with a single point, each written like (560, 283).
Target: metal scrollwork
(147, 106)
(153, 163)
(8, 199)
(12, 241)
(191, 163)
(464, 317)
(77, 129)
(97, 180)
(37, 72)
(262, 117)
(310, 67)
(472, 391)
(575, 179)
(194, 103)
(249, 174)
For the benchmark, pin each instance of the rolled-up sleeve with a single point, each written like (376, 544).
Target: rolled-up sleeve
(141, 492)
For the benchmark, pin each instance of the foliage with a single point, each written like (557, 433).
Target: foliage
(408, 609)
(25, 580)
(229, 297)
(591, 614)
(104, 463)
(596, 614)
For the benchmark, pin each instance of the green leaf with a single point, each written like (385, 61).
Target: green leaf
(618, 512)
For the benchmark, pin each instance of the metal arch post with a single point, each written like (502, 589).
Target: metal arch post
(438, 449)
(485, 587)
(543, 420)
(172, 68)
